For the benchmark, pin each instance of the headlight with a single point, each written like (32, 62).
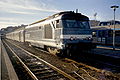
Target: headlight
(71, 38)
(88, 38)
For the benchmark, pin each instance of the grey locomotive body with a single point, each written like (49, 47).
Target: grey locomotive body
(59, 33)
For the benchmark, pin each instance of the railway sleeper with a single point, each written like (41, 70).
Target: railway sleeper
(36, 66)
(52, 77)
(31, 60)
(39, 69)
(44, 72)
(34, 63)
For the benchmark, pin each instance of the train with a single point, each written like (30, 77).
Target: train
(105, 36)
(59, 34)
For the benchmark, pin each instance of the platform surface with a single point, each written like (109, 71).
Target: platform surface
(107, 51)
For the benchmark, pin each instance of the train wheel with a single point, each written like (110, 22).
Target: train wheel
(61, 53)
(53, 50)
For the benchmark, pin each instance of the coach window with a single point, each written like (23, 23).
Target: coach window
(94, 34)
(108, 24)
(110, 33)
(100, 33)
(117, 33)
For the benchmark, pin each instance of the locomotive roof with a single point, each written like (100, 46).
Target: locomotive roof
(72, 13)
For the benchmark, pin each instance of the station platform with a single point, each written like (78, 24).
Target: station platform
(7, 71)
(107, 51)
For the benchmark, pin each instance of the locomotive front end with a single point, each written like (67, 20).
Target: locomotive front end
(75, 32)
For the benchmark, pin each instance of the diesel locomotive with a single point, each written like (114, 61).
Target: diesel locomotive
(59, 33)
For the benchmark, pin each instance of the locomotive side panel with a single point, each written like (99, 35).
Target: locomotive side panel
(48, 32)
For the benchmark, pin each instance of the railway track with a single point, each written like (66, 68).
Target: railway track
(82, 72)
(103, 62)
(39, 69)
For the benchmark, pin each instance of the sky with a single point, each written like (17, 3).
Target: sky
(17, 12)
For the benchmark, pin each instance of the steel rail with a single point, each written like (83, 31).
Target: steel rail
(24, 65)
(92, 68)
(85, 72)
(79, 75)
(53, 67)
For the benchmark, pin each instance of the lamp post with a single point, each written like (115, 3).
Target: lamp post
(114, 8)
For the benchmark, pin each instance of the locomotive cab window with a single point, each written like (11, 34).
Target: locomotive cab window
(58, 23)
(76, 24)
